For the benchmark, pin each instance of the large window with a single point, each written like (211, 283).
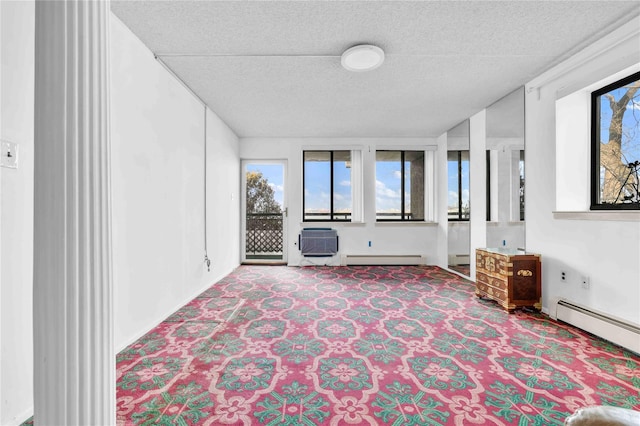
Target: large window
(615, 140)
(458, 182)
(327, 186)
(400, 185)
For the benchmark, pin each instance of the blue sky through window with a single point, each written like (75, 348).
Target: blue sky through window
(341, 187)
(388, 186)
(452, 177)
(465, 182)
(317, 185)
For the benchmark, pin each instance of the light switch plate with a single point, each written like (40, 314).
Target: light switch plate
(9, 154)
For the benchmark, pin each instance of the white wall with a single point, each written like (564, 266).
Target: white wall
(223, 197)
(16, 215)
(386, 239)
(607, 251)
(510, 233)
(157, 141)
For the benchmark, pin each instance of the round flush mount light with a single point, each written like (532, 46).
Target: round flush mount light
(363, 57)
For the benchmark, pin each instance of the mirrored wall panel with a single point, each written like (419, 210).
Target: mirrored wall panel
(458, 206)
(505, 172)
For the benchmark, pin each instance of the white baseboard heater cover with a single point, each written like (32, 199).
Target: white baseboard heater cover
(459, 259)
(612, 329)
(366, 259)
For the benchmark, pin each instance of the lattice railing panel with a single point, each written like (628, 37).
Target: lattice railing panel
(264, 233)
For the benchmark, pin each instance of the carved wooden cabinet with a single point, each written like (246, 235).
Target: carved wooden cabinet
(510, 277)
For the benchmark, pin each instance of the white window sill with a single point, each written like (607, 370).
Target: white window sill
(356, 224)
(612, 215)
(405, 223)
(329, 224)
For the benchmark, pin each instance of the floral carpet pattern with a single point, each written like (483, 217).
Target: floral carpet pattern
(364, 345)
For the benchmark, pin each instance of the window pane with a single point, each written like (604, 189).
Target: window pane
(388, 185)
(414, 185)
(464, 177)
(342, 185)
(317, 185)
(453, 199)
(458, 183)
(618, 143)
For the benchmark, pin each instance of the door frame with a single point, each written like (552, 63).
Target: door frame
(243, 210)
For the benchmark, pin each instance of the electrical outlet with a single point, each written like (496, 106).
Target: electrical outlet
(585, 282)
(563, 276)
(9, 154)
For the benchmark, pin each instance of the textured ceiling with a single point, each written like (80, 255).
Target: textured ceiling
(272, 68)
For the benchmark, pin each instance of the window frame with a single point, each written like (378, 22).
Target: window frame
(402, 185)
(522, 180)
(460, 218)
(595, 203)
(487, 183)
(331, 195)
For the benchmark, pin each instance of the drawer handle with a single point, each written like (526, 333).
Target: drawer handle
(525, 273)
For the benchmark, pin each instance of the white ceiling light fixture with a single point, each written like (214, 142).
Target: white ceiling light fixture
(363, 57)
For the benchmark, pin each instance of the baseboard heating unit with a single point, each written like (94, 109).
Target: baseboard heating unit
(612, 329)
(356, 259)
(459, 259)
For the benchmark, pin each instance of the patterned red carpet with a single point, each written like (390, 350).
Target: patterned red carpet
(363, 345)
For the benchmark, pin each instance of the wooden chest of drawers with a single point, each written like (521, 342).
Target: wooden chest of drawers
(510, 277)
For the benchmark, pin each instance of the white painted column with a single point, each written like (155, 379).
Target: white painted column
(477, 185)
(442, 193)
(1, 133)
(73, 344)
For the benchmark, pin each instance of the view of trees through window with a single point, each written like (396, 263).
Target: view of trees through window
(261, 195)
(327, 185)
(616, 145)
(400, 185)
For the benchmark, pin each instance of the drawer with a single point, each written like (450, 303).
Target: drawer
(492, 264)
(492, 281)
(492, 292)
